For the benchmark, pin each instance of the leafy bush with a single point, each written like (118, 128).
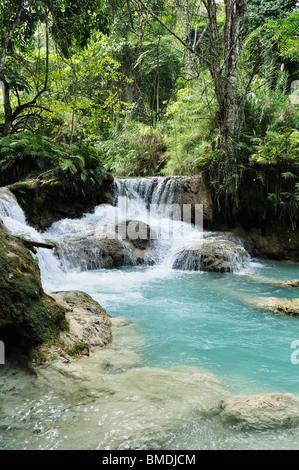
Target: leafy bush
(135, 150)
(18, 146)
(190, 128)
(36, 153)
(277, 147)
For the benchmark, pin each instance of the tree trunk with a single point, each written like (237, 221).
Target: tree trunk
(7, 106)
(229, 126)
(223, 68)
(6, 35)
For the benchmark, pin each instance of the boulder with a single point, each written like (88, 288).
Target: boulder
(94, 253)
(136, 232)
(212, 253)
(89, 324)
(261, 411)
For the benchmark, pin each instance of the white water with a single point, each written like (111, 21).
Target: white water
(145, 200)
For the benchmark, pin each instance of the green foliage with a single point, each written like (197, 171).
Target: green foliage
(271, 131)
(277, 147)
(14, 79)
(121, 97)
(84, 163)
(190, 130)
(77, 349)
(260, 12)
(135, 150)
(75, 21)
(160, 64)
(18, 146)
(85, 97)
(287, 36)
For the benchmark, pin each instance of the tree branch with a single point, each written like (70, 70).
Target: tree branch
(187, 46)
(32, 103)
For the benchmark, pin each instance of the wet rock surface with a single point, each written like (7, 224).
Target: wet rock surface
(97, 251)
(135, 232)
(261, 411)
(272, 304)
(47, 200)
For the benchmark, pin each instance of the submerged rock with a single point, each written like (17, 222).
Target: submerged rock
(272, 304)
(137, 407)
(213, 253)
(292, 283)
(261, 411)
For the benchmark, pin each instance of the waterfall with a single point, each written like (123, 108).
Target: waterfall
(156, 190)
(179, 244)
(151, 209)
(10, 211)
(14, 219)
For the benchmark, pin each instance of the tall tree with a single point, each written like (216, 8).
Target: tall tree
(223, 66)
(222, 59)
(71, 24)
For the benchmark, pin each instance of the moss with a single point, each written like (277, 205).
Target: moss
(36, 316)
(77, 349)
(39, 356)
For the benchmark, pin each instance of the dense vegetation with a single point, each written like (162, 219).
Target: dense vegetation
(151, 87)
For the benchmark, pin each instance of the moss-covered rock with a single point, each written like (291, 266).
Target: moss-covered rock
(30, 316)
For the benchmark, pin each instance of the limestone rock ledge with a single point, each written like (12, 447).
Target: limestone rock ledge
(272, 304)
(293, 283)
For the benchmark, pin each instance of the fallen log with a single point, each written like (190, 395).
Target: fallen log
(31, 244)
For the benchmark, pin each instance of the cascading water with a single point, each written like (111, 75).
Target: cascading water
(14, 220)
(179, 244)
(155, 190)
(93, 241)
(155, 376)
